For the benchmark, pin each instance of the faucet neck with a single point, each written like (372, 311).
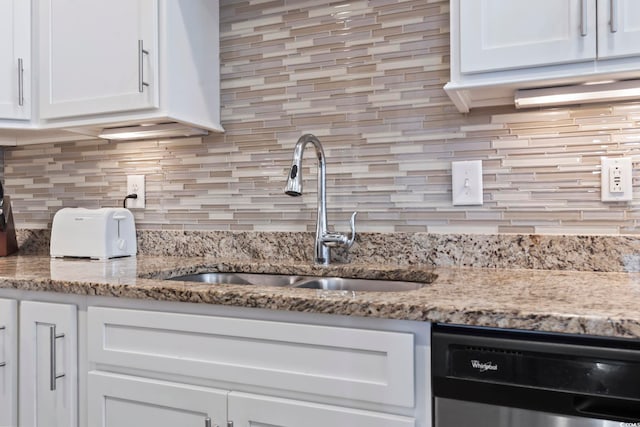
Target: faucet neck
(322, 252)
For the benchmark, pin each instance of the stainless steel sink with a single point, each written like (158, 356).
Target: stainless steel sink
(294, 281)
(342, 284)
(216, 278)
(213, 278)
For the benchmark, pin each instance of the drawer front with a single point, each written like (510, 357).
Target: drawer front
(358, 364)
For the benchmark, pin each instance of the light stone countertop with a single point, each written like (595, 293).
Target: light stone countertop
(606, 304)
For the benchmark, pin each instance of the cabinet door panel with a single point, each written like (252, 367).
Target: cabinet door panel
(125, 401)
(249, 410)
(618, 28)
(48, 349)
(506, 34)
(99, 71)
(8, 363)
(15, 50)
(367, 365)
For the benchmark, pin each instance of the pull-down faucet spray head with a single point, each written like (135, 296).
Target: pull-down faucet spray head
(294, 181)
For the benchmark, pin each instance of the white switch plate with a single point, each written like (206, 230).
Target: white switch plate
(616, 179)
(135, 184)
(466, 183)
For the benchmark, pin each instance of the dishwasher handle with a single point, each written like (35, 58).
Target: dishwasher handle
(613, 409)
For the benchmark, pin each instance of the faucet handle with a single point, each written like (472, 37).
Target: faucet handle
(333, 240)
(353, 230)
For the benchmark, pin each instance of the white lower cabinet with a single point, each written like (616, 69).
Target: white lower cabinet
(126, 401)
(248, 410)
(8, 363)
(48, 395)
(168, 369)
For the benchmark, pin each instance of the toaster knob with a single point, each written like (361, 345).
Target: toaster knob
(122, 244)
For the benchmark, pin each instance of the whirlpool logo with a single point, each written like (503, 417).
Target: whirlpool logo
(484, 366)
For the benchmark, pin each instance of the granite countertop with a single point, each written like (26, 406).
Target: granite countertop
(606, 304)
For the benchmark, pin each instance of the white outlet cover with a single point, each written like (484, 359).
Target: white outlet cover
(135, 184)
(466, 183)
(626, 179)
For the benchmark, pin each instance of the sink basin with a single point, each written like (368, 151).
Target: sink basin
(215, 278)
(307, 282)
(342, 284)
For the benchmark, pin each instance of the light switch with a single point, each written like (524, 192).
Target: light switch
(466, 183)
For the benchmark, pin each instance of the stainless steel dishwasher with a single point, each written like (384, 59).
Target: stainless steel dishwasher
(486, 377)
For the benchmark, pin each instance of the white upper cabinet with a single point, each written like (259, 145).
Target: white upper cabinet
(619, 28)
(107, 64)
(15, 59)
(505, 34)
(97, 57)
(500, 46)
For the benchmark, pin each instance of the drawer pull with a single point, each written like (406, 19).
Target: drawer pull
(141, 53)
(614, 15)
(20, 82)
(52, 357)
(2, 328)
(584, 19)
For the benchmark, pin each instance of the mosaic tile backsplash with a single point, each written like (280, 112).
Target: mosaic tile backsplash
(366, 77)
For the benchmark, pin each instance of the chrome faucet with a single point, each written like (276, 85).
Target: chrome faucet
(324, 239)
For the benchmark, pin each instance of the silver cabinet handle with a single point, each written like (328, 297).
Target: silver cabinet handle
(141, 53)
(584, 20)
(20, 82)
(613, 5)
(2, 328)
(52, 357)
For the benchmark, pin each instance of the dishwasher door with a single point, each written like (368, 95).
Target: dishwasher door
(459, 413)
(484, 377)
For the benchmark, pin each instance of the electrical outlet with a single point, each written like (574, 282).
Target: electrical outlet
(135, 184)
(616, 179)
(466, 183)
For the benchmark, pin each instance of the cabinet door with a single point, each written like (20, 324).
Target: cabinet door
(618, 28)
(8, 363)
(247, 410)
(48, 365)
(351, 363)
(506, 34)
(124, 401)
(97, 56)
(15, 59)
